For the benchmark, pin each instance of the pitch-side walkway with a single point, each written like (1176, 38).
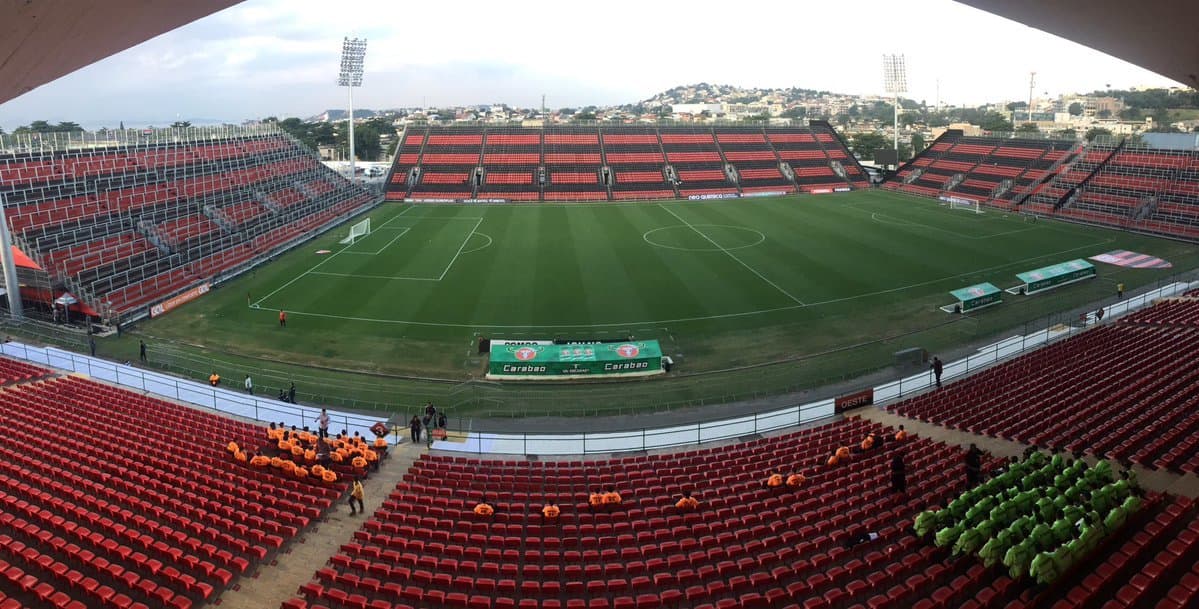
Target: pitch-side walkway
(1159, 480)
(274, 582)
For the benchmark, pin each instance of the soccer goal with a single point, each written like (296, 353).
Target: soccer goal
(966, 204)
(360, 229)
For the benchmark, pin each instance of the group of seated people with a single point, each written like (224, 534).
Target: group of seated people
(304, 454)
(867, 444)
(608, 499)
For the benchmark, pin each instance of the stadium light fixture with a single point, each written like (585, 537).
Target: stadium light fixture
(353, 52)
(895, 81)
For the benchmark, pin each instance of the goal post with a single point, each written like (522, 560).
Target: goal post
(360, 229)
(961, 203)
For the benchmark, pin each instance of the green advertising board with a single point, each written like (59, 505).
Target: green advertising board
(1056, 275)
(538, 360)
(977, 296)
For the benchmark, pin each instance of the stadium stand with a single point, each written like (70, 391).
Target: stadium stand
(635, 158)
(131, 222)
(1113, 184)
(1053, 397)
(619, 162)
(511, 161)
(755, 162)
(450, 163)
(746, 546)
(573, 162)
(118, 516)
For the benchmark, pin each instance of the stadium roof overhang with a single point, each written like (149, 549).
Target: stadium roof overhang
(41, 40)
(1158, 35)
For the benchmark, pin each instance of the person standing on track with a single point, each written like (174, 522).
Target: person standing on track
(282, 318)
(938, 368)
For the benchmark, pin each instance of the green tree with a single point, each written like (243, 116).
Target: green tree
(1066, 134)
(1161, 116)
(1027, 128)
(795, 112)
(864, 144)
(181, 124)
(994, 121)
(1012, 107)
(67, 126)
(1075, 109)
(1132, 114)
(1095, 132)
(588, 115)
(917, 143)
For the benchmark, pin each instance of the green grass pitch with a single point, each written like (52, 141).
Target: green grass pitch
(834, 284)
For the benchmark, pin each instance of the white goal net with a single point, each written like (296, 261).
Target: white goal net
(360, 229)
(965, 204)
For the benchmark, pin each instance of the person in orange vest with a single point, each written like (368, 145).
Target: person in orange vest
(260, 460)
(550, 511)
(329, 476)
(901, 435)
(612, 498)
(867, 443)
(687, 503)
(774, 481)
(282, 318)
(233, 447)
(595, 499)
(356, 494)
(483, 508)
(301, 473)
(843, 454)
(214, 379)
(795, 481)
(240, 456)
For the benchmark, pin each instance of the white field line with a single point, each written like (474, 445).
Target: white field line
(731, 255)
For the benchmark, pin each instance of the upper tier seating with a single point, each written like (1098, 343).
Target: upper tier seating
(150, 221)
(116, 516)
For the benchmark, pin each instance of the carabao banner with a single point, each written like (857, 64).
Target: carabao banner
(550, 362)
(977, 296)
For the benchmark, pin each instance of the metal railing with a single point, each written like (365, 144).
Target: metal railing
(792, 415)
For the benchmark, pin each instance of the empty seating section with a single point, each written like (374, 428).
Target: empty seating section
(635, 158)
(448, 162)
(119, 517)
(1092, 392)
(696, 160)
(800, 150)
(573, 162)
(153, 219)
(510, 163)
(753, 159)
(558, 163)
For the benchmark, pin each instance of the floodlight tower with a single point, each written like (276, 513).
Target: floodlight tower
(353, 51)
(895, 81)
(1032, 82)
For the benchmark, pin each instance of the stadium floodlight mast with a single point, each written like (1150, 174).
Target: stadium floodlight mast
(895, 81)
(353, 52)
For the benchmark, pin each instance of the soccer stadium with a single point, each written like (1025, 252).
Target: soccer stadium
(597, 364)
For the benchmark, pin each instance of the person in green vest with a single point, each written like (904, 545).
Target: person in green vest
(1018, 557)
(1100, 474)
(992, 552)
(1045, 508)
(928, 521)
(1043, 568)
(1042, 537)
(1063, 531)
(973, 538)
(948, 536)
(1115, 519)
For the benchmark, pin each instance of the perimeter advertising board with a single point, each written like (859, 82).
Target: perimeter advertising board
(555, 362)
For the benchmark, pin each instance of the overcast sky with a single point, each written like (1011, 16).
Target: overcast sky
(280, 57)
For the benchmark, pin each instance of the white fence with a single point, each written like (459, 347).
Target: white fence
(232, 402)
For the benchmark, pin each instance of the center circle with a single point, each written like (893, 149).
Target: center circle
(703, 237)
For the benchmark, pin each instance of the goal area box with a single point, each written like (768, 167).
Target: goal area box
(1053, 276)
(549, 362)
(972, 298)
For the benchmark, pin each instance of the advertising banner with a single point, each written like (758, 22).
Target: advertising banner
(977, 296)
(551, 362)
(1055, 275)
(175, 302)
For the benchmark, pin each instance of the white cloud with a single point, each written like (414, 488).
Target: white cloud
(265, 57)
